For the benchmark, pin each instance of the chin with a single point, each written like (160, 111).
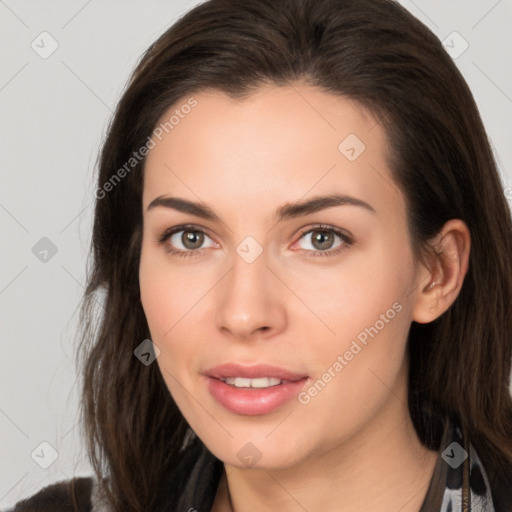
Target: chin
(256, 452)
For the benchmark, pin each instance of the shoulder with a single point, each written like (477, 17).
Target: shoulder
(73, 495)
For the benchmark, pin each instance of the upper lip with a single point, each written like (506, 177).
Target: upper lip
(252, 372)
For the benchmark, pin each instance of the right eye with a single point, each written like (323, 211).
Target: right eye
(190, 237)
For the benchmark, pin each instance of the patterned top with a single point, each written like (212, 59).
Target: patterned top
(459, 483)
(466, 485)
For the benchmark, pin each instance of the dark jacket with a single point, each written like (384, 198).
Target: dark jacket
(66, 496)
(454, 482)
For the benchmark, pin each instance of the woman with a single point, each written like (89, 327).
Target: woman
(304, 250)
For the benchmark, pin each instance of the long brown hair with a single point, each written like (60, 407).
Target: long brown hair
(372, 51)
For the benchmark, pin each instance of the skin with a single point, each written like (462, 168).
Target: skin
(353, 446)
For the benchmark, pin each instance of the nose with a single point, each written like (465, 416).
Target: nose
(250, 300)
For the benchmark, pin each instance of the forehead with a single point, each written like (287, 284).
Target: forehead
(279, 143)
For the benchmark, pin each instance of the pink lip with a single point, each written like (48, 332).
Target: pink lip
(252, 372)
(253, 401)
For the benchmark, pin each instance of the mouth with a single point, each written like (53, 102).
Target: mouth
(254, 390)
(259, 383)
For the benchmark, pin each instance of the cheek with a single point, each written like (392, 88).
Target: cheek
(167, 292)
(171, 300)
(157, 301)
(352, 293)
(161, 306)
(164, 308)
(367, 306)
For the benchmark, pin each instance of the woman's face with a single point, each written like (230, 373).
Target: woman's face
(323, 293)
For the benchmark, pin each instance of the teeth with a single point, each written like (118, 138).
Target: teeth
(262, 382)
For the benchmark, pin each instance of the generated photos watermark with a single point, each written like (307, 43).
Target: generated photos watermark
(137, 156)
(305, 396)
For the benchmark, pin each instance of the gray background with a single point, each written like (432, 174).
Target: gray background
(54, 113)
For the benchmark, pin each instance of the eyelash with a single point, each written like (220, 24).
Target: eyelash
(347, 240)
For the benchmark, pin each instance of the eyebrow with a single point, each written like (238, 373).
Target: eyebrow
(285, 212)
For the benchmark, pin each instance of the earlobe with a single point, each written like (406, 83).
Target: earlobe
(444, 281)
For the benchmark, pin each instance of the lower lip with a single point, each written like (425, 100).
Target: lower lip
(254, 401)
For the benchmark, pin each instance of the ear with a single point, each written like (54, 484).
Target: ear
(438, 286)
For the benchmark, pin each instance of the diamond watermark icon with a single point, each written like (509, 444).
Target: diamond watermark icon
(351, 147)
(147, 352)
(249, 454)
(249, 249)
(44, 45)
(44, 250)
(454, 455)
(44, 455)
(455, 45)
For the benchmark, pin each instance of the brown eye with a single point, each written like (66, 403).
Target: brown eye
(184, 240)
(322, 239)
(192, 239)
